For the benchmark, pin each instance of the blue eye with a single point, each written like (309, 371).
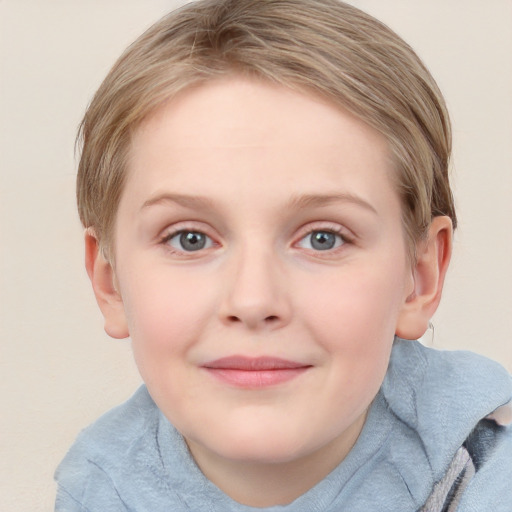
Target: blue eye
(321, 241)
(189, 241)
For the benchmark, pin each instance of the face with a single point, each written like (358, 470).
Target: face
(262, 267)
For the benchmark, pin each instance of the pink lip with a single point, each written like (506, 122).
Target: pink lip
(246, 372)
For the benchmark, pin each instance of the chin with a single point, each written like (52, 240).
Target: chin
(264, 447)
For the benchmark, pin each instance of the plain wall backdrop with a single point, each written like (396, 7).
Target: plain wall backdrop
(59, 371)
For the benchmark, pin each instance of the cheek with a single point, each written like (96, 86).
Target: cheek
(166, 319)
(353, 317)
(166, 313)
(366, 301)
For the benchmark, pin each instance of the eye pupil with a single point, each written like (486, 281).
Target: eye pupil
(323, 240)
(192, 241)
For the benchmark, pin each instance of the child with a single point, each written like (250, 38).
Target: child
(264, 187)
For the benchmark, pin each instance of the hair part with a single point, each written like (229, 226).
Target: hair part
(325, 47)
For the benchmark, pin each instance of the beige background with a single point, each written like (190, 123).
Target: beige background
(59, 371)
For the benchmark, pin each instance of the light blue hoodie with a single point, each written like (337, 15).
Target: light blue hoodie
(132, 459)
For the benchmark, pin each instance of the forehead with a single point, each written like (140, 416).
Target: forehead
(254, 113)
(245, 137)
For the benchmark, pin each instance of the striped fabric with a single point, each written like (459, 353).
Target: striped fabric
(447, 492)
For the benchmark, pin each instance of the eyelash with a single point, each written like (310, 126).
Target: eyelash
(342, 235)
(166, 239)
(335, 230)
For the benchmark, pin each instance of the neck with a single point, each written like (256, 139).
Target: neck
(264, 484)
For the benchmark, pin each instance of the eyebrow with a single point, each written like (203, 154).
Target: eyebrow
(316, 200)
(181, 199)
(297, 202)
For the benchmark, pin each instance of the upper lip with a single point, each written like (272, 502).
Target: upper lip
(253, 363)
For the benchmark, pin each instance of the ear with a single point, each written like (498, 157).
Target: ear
(102, 278)
(432, 259)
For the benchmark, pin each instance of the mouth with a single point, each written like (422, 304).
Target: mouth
(254, 373)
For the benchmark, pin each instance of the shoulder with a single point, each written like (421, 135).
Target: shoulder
(490, 447)
(450, 387)
(117, 430)
(450, 399)
(102, 455)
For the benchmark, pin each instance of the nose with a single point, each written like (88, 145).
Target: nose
(255, 293)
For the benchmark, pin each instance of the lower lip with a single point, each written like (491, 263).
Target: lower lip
(256, 379)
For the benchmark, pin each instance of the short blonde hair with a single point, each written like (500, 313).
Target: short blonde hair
(326, 47)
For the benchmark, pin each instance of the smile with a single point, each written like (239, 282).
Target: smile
(253, 373)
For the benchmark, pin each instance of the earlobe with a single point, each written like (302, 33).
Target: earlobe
(432, 260)
(102, 278)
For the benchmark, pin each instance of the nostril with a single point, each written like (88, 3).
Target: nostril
(271, 319)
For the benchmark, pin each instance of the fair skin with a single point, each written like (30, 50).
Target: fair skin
(260, 225)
